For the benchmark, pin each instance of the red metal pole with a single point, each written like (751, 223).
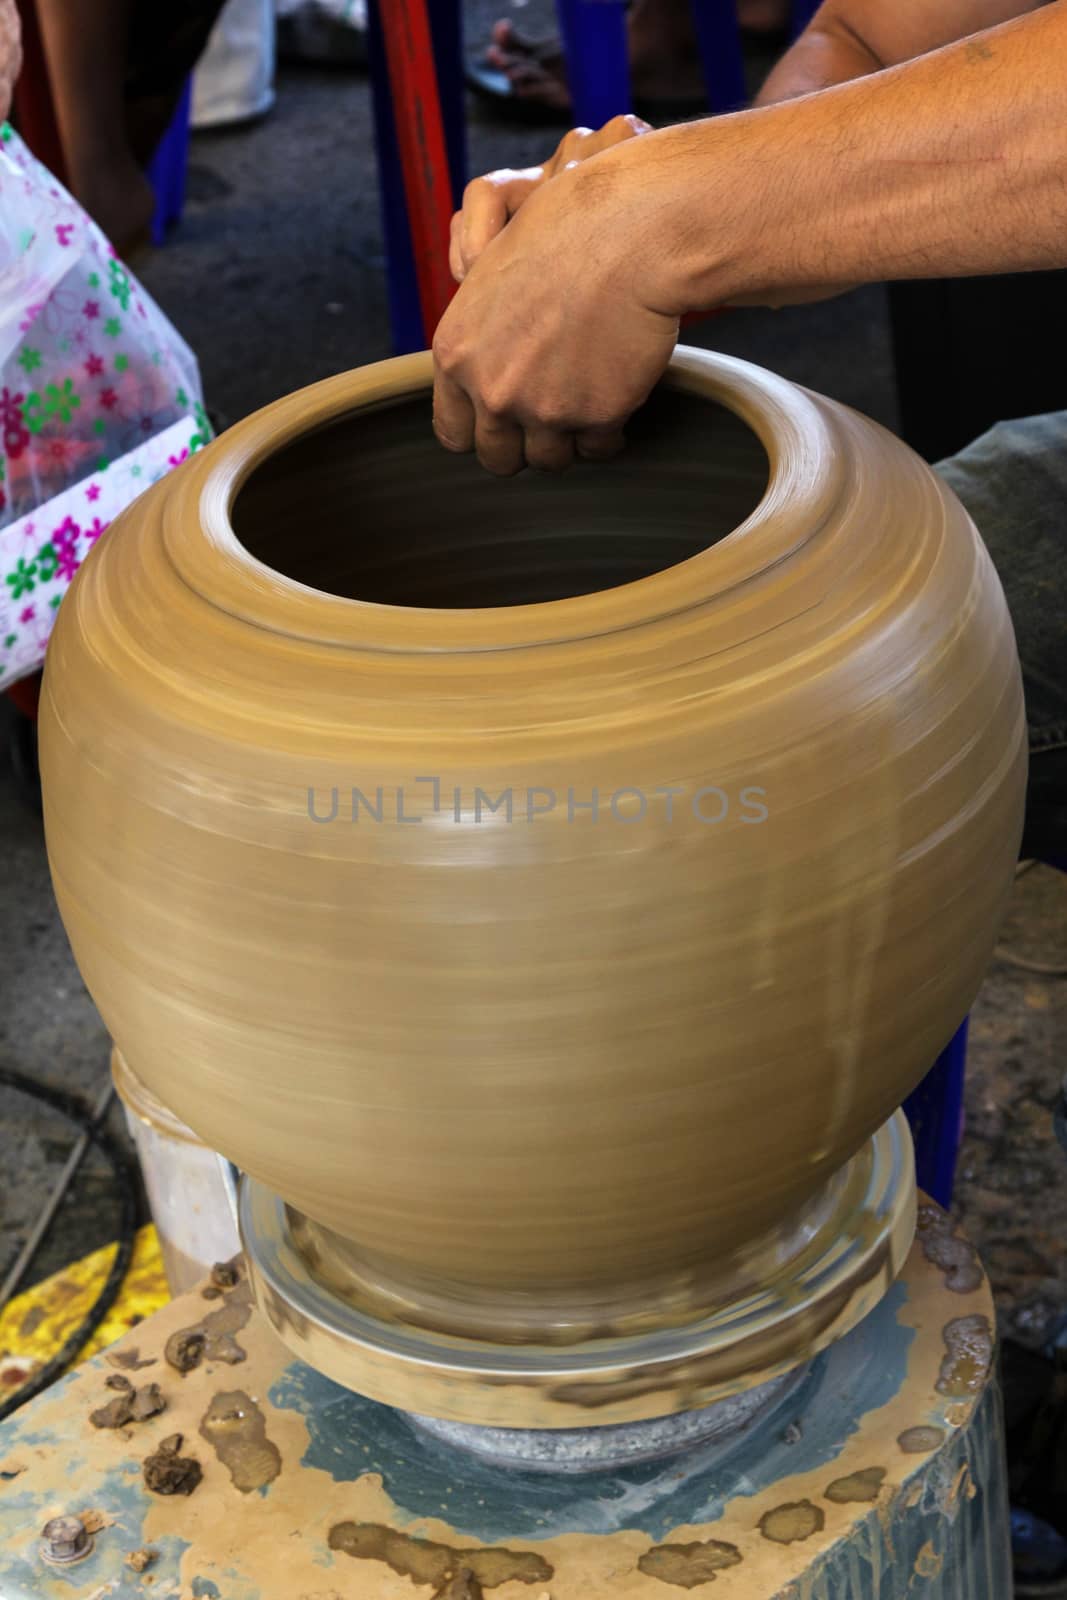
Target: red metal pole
(423, 155)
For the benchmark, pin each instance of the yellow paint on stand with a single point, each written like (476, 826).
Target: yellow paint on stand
(37, 1322)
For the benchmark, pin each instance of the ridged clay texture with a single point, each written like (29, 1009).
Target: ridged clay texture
(558, 1072)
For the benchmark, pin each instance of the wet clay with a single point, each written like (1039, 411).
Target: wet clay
(424, 1561)
(130, 1405)
(968, 1355)
(128, 1360)
(947, 1249)
(95, 1521)
(857, 1487)
(168, 1472)
(212, 1338)
(464, 1586)
(928, 1562)
(755, 686)
(689, 1565)
(793, 1522)
(235, 1427)
(921, 1440)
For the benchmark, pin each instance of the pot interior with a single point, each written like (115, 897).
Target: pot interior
(371, 507)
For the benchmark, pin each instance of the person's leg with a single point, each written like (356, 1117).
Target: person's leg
(664, 63)
(166, 40)
(87, 46)
(1013, 481)
(117, 69)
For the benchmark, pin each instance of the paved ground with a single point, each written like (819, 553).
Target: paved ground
(276, 278)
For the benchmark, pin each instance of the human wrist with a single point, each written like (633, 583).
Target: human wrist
(726, 223)
(686, 239)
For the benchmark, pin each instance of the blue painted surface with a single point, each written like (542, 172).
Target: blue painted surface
(943, 1537)
(350, 1435)
(24, 1576)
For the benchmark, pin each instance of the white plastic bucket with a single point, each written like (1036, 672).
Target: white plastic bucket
(184, 1182)
(234, 79)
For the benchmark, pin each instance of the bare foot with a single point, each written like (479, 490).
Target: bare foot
(535, 68)
(664, 61)
(663, 69)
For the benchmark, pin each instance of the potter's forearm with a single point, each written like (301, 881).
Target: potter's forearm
(952, 164)
(848, 39)
(824, 55)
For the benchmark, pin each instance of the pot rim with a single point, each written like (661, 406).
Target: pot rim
(805, 482)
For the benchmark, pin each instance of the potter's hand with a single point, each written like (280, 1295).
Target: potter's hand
(561, 327)
(490, 202)
(10, 54)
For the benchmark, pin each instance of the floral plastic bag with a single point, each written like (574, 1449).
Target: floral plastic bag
(99, 396)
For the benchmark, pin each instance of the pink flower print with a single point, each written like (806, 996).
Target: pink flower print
(27, 532)
(91, 310)
(95, 529)
(94, 367)
(63, 232)
(29, 317)
(58, 450)
(16, 435)
(176, 461)
(108, 399)
(65, 544)
(27, 613)
(93, 492)
(67, 563)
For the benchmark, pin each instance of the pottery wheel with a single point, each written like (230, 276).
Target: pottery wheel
(827, 1279)
(878, 1476)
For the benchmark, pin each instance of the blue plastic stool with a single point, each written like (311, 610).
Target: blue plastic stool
(598, 69)
(167, 169)
(594, 44)
(935, 1112)
(935, 1109)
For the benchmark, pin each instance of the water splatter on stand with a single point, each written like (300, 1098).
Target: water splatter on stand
(874, 1474)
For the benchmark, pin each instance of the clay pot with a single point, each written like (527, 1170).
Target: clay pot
(543, 1072)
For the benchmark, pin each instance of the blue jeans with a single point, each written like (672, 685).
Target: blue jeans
(1013, 481)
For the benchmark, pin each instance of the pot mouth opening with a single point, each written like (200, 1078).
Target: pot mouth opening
(368, 507)
(335, 517)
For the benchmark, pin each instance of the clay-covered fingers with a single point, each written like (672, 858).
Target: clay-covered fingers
(581, 143)
(489, 203)
(502, 445)
(548, 449)
(600, 444)
(453, 413)
(499, 444)
(462, 427)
